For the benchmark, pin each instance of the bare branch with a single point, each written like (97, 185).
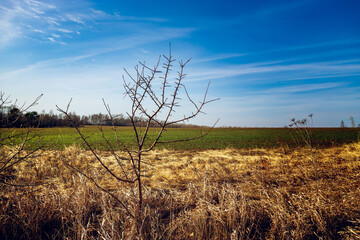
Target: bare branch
(97, 157)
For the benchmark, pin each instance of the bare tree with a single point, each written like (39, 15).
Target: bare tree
(342, 124)
(16, 140)
(352, 120)
(148, 105)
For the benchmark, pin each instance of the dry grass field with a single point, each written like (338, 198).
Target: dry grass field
(270, 193)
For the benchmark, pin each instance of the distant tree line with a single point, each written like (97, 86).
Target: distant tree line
(13, 117)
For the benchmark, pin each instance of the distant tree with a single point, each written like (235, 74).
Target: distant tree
(352, 122)
(75, 120)
(96, 119)
(32, 118)
(14, 117)
(85, 120)
(342, 124)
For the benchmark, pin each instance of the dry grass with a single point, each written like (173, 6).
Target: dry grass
(213, 194)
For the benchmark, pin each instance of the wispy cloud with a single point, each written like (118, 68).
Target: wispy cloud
(63, 30)
(27, 17)
(304, 88)
(8, 31)
(312, 46)
(38, 5)
(218, 57)
(75, 18)
(92, 49)
(293, 71)
(41, 20)
(118, 16)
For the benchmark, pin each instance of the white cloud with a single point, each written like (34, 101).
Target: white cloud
(35, 19)
(92, 49)
(37, 10)
(119, 17)
(75, 18)
(17, 17)
(305, 88)
(63, 30)
(51, 22)
(39, 4)
(98, 12)
(31, 19)
(8, 32)
(218, 57)
(39, 31)
(292, 71)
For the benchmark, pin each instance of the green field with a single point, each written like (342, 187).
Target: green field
(218, 138)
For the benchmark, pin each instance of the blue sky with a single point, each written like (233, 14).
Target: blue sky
(268, 61)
